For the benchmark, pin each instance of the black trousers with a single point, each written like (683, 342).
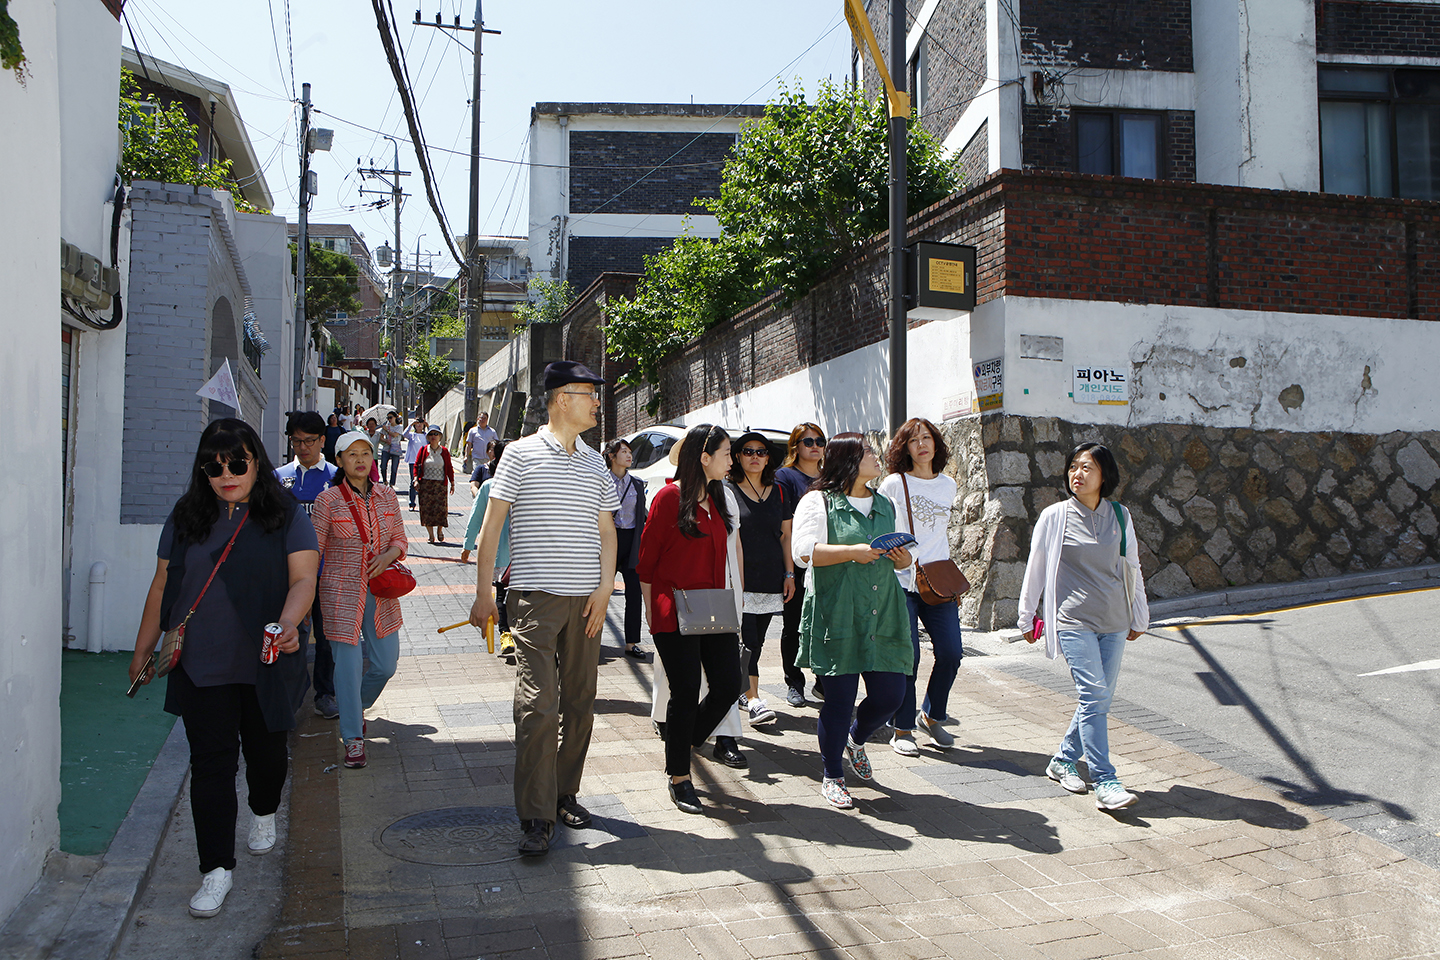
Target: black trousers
(689, 721)
(322, 674)
(753, 627)
(634, 602)
(790, 641)
(220, 722)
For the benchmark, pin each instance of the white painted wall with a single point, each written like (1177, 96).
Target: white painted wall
(30, 526)
(1257, 123)
(89, 64)
(1358, 374)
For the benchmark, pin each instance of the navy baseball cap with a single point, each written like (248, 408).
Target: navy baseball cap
(561, 372)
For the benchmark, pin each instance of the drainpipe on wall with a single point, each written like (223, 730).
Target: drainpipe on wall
(96, 618)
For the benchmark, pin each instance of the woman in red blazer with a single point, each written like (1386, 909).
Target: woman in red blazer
(433, 471)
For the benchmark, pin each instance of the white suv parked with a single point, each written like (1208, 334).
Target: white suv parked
(650, 448)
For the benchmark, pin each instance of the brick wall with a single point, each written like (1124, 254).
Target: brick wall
(1048, 140)
(1093, 238)
(974, 161)
(955, 51)
(614, 171)
(589, 257)
(1121, 34)
(166, 343)
(1377, 29)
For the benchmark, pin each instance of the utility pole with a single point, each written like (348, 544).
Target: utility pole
(391, 178)
(474, 266)
(302, 248)
(310, 141)
(899, 128)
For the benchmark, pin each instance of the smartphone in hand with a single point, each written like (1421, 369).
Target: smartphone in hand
(140, 680)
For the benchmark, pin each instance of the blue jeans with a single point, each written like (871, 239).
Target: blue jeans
(942, 622)
(354, 692)
(1094, 660)
(389, 465)
(882, 692)
(414, 490)
(323, 671)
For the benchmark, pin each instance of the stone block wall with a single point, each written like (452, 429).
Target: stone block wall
(1213, 508)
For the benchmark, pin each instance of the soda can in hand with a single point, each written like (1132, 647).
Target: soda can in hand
(270, 645)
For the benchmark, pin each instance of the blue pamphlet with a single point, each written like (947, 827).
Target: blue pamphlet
(889, 541)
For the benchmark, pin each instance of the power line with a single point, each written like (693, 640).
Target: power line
(397, 68)
(275, 36)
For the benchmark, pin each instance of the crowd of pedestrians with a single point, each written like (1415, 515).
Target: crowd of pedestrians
(835, 541)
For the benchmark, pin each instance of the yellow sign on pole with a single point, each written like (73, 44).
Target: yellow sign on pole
(864, 36)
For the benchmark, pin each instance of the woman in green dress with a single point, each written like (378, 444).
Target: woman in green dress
(854, 622)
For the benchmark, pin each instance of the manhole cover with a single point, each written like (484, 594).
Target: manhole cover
(458, 836)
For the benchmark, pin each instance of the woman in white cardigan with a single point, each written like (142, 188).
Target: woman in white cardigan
(1085, 561)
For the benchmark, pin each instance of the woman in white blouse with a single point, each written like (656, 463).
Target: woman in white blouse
(1085, 561)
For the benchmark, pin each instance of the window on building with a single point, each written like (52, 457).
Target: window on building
(920, 76)
(1380, 131)
(1119, 143)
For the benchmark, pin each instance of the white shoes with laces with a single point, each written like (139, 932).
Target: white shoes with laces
(262, 835)
(211, 896)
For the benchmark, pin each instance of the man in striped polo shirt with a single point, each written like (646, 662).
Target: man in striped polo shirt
(559, 496)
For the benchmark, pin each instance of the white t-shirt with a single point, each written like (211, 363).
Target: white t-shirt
(413, 442)
(931, 501)
(478, 438)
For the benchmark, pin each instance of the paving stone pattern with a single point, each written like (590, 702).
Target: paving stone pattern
(1213, 508)
(969, 852)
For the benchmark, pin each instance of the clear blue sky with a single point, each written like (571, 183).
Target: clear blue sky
(549, 50)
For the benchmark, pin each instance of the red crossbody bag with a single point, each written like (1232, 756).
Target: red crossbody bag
(395, 580)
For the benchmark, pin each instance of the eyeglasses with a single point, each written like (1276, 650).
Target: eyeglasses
(580, 393)
(754, 452)
(813, 441)
(304, 441)
(238, 468)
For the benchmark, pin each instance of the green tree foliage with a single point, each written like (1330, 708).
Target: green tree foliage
(806, 186)
(549, 299)
(334, 352)
(160, 143)
(331, 282)
(444, 311)
(431, 375)
(12, 54)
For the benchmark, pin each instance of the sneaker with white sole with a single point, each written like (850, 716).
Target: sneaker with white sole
(211, 896)
(355, 753)
(855, 753)
(835, 792)
(262, 834)
(1065, 774)
(794, 697)
(1112, 795)
(938, 735)
(760, 712)
(903, 743)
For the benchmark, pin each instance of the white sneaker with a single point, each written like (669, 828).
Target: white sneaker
(211, 896)
(262, 834)
(1065, 774)
(903, 743)
(1112, 795)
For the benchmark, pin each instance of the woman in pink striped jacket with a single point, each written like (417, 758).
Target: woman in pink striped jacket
(361, 532)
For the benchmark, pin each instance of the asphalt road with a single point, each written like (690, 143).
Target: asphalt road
(1338, 702)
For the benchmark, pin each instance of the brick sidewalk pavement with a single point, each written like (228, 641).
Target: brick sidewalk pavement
(969, 852)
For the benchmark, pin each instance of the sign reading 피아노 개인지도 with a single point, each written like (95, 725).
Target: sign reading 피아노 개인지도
(1100, 383)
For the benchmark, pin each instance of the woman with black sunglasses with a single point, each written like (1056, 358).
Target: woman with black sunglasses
(765, 513)
(236, 553)
(803, 457)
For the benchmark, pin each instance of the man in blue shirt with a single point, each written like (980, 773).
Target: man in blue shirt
(306, 477)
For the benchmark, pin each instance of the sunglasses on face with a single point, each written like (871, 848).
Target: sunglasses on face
(238, 468)
(813, 441)
(754, 452)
